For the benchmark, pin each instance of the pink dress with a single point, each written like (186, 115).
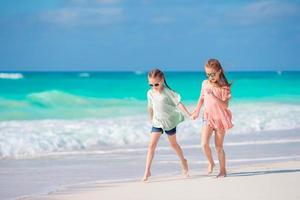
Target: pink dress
(216, 114)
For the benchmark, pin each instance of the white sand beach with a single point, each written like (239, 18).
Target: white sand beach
(257, 181)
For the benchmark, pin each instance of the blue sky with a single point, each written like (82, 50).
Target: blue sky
(138, 35)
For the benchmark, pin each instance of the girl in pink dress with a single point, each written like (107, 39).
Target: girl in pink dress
(215, 95)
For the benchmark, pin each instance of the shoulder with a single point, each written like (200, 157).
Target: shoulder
(204, 82)
(171, 92)
(149, 93)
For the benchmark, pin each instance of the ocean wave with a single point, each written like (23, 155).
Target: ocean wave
(34, 138)
(57, 98)
(138, 72)
(41, 137)
(56, 104)
(11, 76)
(256, 116)
(84, 75)
(94, 124)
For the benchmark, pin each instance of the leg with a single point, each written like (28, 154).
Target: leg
(205, 138)
(219, 139)
(151, 149)
(178, 150)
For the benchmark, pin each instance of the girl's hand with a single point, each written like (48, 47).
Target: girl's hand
(195, 115)
(209, 91)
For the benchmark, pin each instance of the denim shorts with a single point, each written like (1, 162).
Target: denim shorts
(169, 132)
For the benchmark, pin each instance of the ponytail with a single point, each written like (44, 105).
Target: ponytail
(166, 84)
(224, 79)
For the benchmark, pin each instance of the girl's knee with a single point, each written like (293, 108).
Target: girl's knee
(205, 146)
(219, 148)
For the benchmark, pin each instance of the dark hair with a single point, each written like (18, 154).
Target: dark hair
(158, 73)
(216, 65)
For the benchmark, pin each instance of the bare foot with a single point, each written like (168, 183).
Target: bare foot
(185, 168)
(222, 175)
(146, 176)
(210, 168)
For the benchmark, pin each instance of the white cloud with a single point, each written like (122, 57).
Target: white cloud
(63, 16)
(262, 11)
(78, 14)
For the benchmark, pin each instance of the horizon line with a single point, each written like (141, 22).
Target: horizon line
(139, 71)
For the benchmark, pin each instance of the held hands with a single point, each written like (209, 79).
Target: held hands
(194, 115)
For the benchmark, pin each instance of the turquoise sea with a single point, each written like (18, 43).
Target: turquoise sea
(59, 112)
(74, 95)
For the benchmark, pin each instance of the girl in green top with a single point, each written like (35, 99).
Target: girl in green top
(163, 107)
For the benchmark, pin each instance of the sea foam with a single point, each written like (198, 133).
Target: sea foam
(32, 138)
(11, 75)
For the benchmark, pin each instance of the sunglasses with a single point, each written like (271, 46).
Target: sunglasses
(211, 74)
(155, 85)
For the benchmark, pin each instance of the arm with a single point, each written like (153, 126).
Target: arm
(150, 105)
(183, 109)
(198, 108)
(176, 98)
(196, 112)
(150, 111)
(218, 99)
